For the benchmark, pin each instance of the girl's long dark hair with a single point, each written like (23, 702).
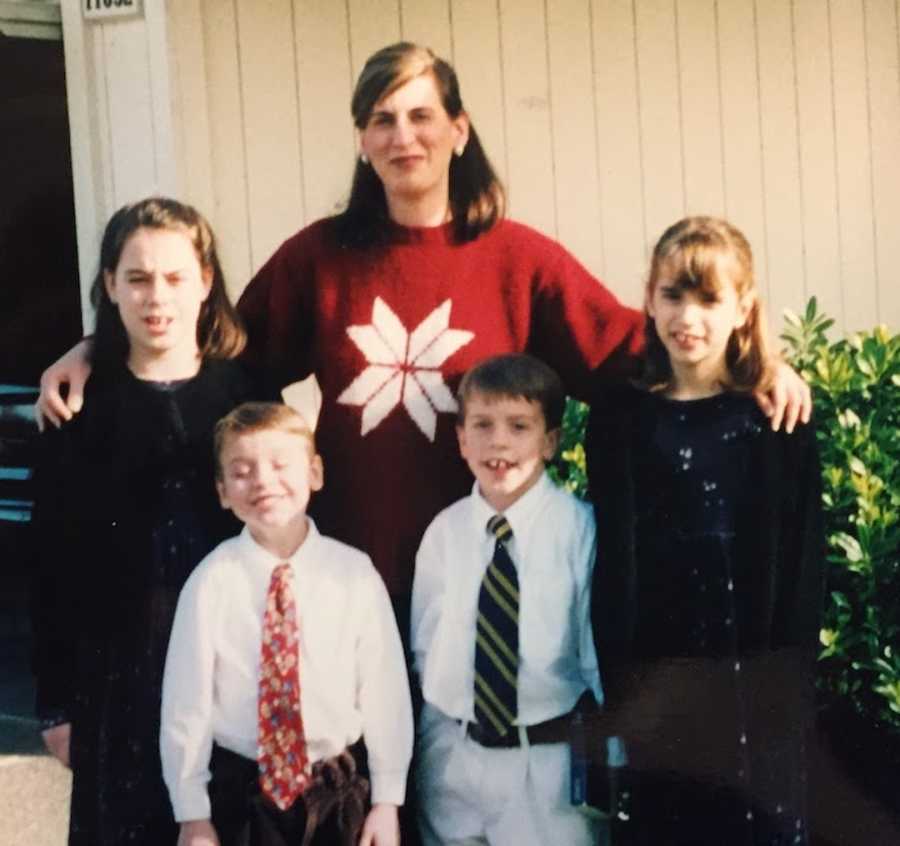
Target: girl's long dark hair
(477, 199)
(220, 333)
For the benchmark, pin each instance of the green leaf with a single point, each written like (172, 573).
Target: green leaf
(850, 545)
(791, 317)
(810, 309)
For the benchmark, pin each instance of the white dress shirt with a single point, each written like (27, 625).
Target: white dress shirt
(352, 672)
(553, 549)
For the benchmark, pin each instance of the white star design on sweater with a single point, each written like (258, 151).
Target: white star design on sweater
(404, 367)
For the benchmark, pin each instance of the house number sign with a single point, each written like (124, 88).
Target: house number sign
(106, 9)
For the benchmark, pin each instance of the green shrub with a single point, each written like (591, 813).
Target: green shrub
(856, 390)
(569, 468)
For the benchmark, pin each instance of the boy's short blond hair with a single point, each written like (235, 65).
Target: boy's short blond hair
(258, 417)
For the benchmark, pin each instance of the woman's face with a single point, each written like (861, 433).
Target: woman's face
(409, 140)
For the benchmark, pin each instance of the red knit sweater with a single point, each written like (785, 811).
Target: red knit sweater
(390, 330)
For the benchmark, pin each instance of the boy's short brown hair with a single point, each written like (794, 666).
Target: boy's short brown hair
(256, 417)
(515, 375)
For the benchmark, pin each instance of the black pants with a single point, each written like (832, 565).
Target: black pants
(242, 816)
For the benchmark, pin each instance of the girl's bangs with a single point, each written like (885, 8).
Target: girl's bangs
(696, 266)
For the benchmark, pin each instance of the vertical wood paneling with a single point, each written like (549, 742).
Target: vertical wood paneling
(527, 100)
(189, 90)
(741, 133)
(701, 118)
(158, 50)
(574, 137)
(427, 22)
(102, 130)
(230, 216)
(854, 175)
(617, 101)
(373, 24)
(271, 127)
(325, 85)
(817, 157)
(781, 170)
(607, 120)
(476, 49)
(130, 108)
(661, 131)
(884, 95)
(88, 136)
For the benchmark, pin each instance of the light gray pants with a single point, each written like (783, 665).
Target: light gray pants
(470, 795)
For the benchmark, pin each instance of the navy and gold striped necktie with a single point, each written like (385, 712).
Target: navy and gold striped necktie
(497, 637)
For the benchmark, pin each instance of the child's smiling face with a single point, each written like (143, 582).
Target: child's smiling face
(505, 442)
(694, 325)
(267, 478)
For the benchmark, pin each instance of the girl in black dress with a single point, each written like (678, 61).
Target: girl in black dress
(709, 572)
(125, 507)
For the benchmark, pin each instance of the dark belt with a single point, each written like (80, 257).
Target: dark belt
(554, 730)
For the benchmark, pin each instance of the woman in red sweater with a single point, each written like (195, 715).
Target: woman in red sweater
(391, 301)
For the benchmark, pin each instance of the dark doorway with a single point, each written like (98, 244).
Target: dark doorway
(40, 312)
(40, 317)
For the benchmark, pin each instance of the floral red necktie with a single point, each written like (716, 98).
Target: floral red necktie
(283, 763)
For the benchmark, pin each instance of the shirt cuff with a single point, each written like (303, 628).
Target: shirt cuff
(388, 787)
(191, 803)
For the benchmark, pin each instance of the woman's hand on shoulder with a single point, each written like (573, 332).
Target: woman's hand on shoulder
(72, 369)
(788, 400)
(197, 833)
(382, 826)
(57, 739)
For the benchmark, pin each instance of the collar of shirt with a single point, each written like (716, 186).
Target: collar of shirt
(259, 557)
(521, 515)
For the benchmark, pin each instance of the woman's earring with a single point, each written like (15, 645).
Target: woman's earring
(458, 151)
(364, 158)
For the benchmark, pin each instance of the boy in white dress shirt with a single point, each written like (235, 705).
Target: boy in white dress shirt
(501, 633)
(285, 763)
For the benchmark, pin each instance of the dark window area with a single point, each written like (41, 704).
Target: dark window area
(40, 317)
(40, 313)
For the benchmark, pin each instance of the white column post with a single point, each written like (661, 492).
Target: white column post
(120, 119)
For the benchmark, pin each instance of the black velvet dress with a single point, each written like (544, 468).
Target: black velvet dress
(125, 509)
(706, 607)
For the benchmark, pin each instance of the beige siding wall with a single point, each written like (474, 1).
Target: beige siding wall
(608, 120)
